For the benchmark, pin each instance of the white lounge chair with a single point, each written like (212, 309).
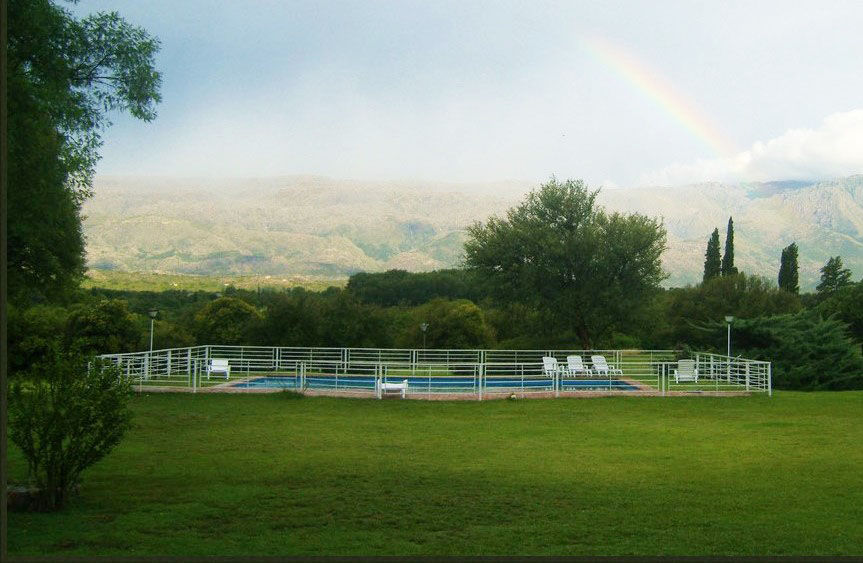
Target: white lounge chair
(218, 365)
(383, 387)
(601, 367)
(550, 367)
(575, 366)
(686, 371)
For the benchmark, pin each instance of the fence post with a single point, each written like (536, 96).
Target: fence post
(747, 376)
(556, 383)
(769, 379)
(663, 373)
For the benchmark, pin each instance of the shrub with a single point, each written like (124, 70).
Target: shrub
(66, 416)
(808, 352)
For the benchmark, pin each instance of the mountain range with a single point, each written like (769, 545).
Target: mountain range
(307, 225)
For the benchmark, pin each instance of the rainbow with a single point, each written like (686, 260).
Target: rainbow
(650, 83)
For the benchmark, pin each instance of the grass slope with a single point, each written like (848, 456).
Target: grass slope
(264, 475)
(152, 281)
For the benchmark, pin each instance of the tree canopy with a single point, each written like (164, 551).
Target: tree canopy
(583, 268)
(64, 77)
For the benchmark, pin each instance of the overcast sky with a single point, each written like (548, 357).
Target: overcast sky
(617, 93)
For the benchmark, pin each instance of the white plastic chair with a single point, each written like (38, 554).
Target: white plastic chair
(218, 365)
(686, 371)
(601, 367)
(575, 366)
(550, 368)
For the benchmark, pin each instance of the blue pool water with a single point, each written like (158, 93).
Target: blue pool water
(435, 383)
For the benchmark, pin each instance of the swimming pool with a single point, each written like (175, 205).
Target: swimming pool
(436, 384)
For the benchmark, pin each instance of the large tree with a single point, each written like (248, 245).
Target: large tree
(728, 257)
(788, 269)
(712, 260)
(833, 277)
(586, 270)
(64, 76)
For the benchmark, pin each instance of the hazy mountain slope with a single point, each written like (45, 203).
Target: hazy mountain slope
(322, 226)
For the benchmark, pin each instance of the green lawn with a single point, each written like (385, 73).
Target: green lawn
(268, 475)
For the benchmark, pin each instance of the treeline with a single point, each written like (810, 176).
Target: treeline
(388, 310)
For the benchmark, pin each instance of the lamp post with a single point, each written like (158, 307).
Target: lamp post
(729, 319)
(153, 313)
(424, 327)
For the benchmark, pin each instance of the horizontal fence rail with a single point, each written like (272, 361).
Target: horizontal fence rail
(476, 374)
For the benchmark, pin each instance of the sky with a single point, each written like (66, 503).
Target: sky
(617, 93)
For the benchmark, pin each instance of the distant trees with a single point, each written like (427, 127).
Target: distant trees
(63, 77)
(583, 269)
(833, 277)
(398, 287)
(712, 259)
(728, 267)
(788, 269)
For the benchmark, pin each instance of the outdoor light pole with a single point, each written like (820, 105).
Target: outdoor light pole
(424, 327)
(729, 319)
(152, 313)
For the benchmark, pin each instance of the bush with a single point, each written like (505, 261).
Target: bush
(66, 416)
(808, 352)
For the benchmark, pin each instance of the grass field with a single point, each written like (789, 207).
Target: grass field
(152, 281)
(270, 475)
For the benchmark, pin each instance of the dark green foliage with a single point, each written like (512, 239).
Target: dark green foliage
(33, 333)
(303, 318)
(846, 304)
(728, 268)
(64, 418)
(685, 311)
(583, 269)
(456, 324)
(106, 327)
(833, 277)
(788, 269)
(64, 76)
(808, 352)
(227, 320)
(168, 335)
(712, 260)
(398, 287)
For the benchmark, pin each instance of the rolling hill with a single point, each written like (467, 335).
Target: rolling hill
(303, 225)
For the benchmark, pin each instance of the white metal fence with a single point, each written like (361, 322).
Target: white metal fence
(437, 373)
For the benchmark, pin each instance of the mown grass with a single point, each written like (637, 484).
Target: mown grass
(263, 475)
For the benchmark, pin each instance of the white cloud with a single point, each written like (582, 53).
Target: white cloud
(833, 149)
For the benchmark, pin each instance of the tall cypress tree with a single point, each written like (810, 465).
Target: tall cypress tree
(788, 269)
(712, 266)
(728, 258)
